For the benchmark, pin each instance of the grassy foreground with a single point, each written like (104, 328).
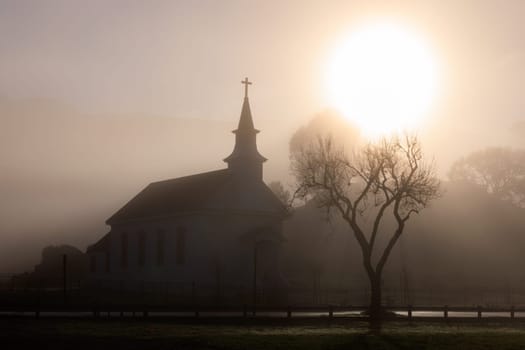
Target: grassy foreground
(139, 334)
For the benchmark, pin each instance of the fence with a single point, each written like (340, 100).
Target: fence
(190, 299)
(329, 312)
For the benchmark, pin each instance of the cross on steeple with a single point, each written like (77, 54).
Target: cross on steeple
(246, 83)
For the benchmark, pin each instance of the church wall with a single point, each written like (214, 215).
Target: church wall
(148, 265)
(233, 250)
(215, 256)
(97, 263)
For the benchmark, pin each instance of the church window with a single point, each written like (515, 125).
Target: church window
(142, 248)
(124, 250)
(180, 246)
(160, 247)
(108, 262)
(93, 263)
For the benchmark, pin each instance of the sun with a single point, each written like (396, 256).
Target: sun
(383, 77)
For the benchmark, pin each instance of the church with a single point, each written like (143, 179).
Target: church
(220, 230)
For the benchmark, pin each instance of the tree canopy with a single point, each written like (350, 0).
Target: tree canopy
(498, 171)
(327, 123)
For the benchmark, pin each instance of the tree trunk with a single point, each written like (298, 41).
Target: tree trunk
(375, 310)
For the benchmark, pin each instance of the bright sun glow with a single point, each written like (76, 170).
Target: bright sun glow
(382, 77)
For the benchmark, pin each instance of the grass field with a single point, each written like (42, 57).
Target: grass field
(143, 334)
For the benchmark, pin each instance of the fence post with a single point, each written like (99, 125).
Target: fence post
(289, 313)
(445, 312)
(330, 311)
(410, 312)
(193, 293)
(37, 311)
(64, 277)
(479, 312)
(512, 312)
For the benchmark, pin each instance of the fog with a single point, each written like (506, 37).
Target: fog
(98, 99)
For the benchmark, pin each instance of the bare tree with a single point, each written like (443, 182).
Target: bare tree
(280, 192)
(499, 171)
(388, 178)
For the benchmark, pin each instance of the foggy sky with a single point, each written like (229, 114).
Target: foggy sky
(184, 58)
(82, 82)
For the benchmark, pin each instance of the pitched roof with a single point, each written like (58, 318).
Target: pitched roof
(182, 194)
(102, 245)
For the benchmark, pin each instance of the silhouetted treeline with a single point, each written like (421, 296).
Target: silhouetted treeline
(466, 240)
(49, 273)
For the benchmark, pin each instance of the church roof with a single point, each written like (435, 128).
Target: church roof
(102, 245)
(188, 193)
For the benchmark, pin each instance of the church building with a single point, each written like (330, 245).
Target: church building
(220, 230)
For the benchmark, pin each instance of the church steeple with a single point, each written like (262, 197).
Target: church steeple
(245, 159)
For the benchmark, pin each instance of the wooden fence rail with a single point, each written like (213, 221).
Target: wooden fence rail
(408, 312)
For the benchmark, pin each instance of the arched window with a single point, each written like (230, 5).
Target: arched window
(141, 248)
(124, 250)
(160, 247)
(93, 263)
(180, 246)
(108, 262)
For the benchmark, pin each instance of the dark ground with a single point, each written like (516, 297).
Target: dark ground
(18, 333)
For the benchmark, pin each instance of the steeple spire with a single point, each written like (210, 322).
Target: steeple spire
(245, 158)
(246, 120)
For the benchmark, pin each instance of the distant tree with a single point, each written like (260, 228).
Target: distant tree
(387, 178)
(49, 272)
(498, 171)
(327, 123)
(280, 192)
